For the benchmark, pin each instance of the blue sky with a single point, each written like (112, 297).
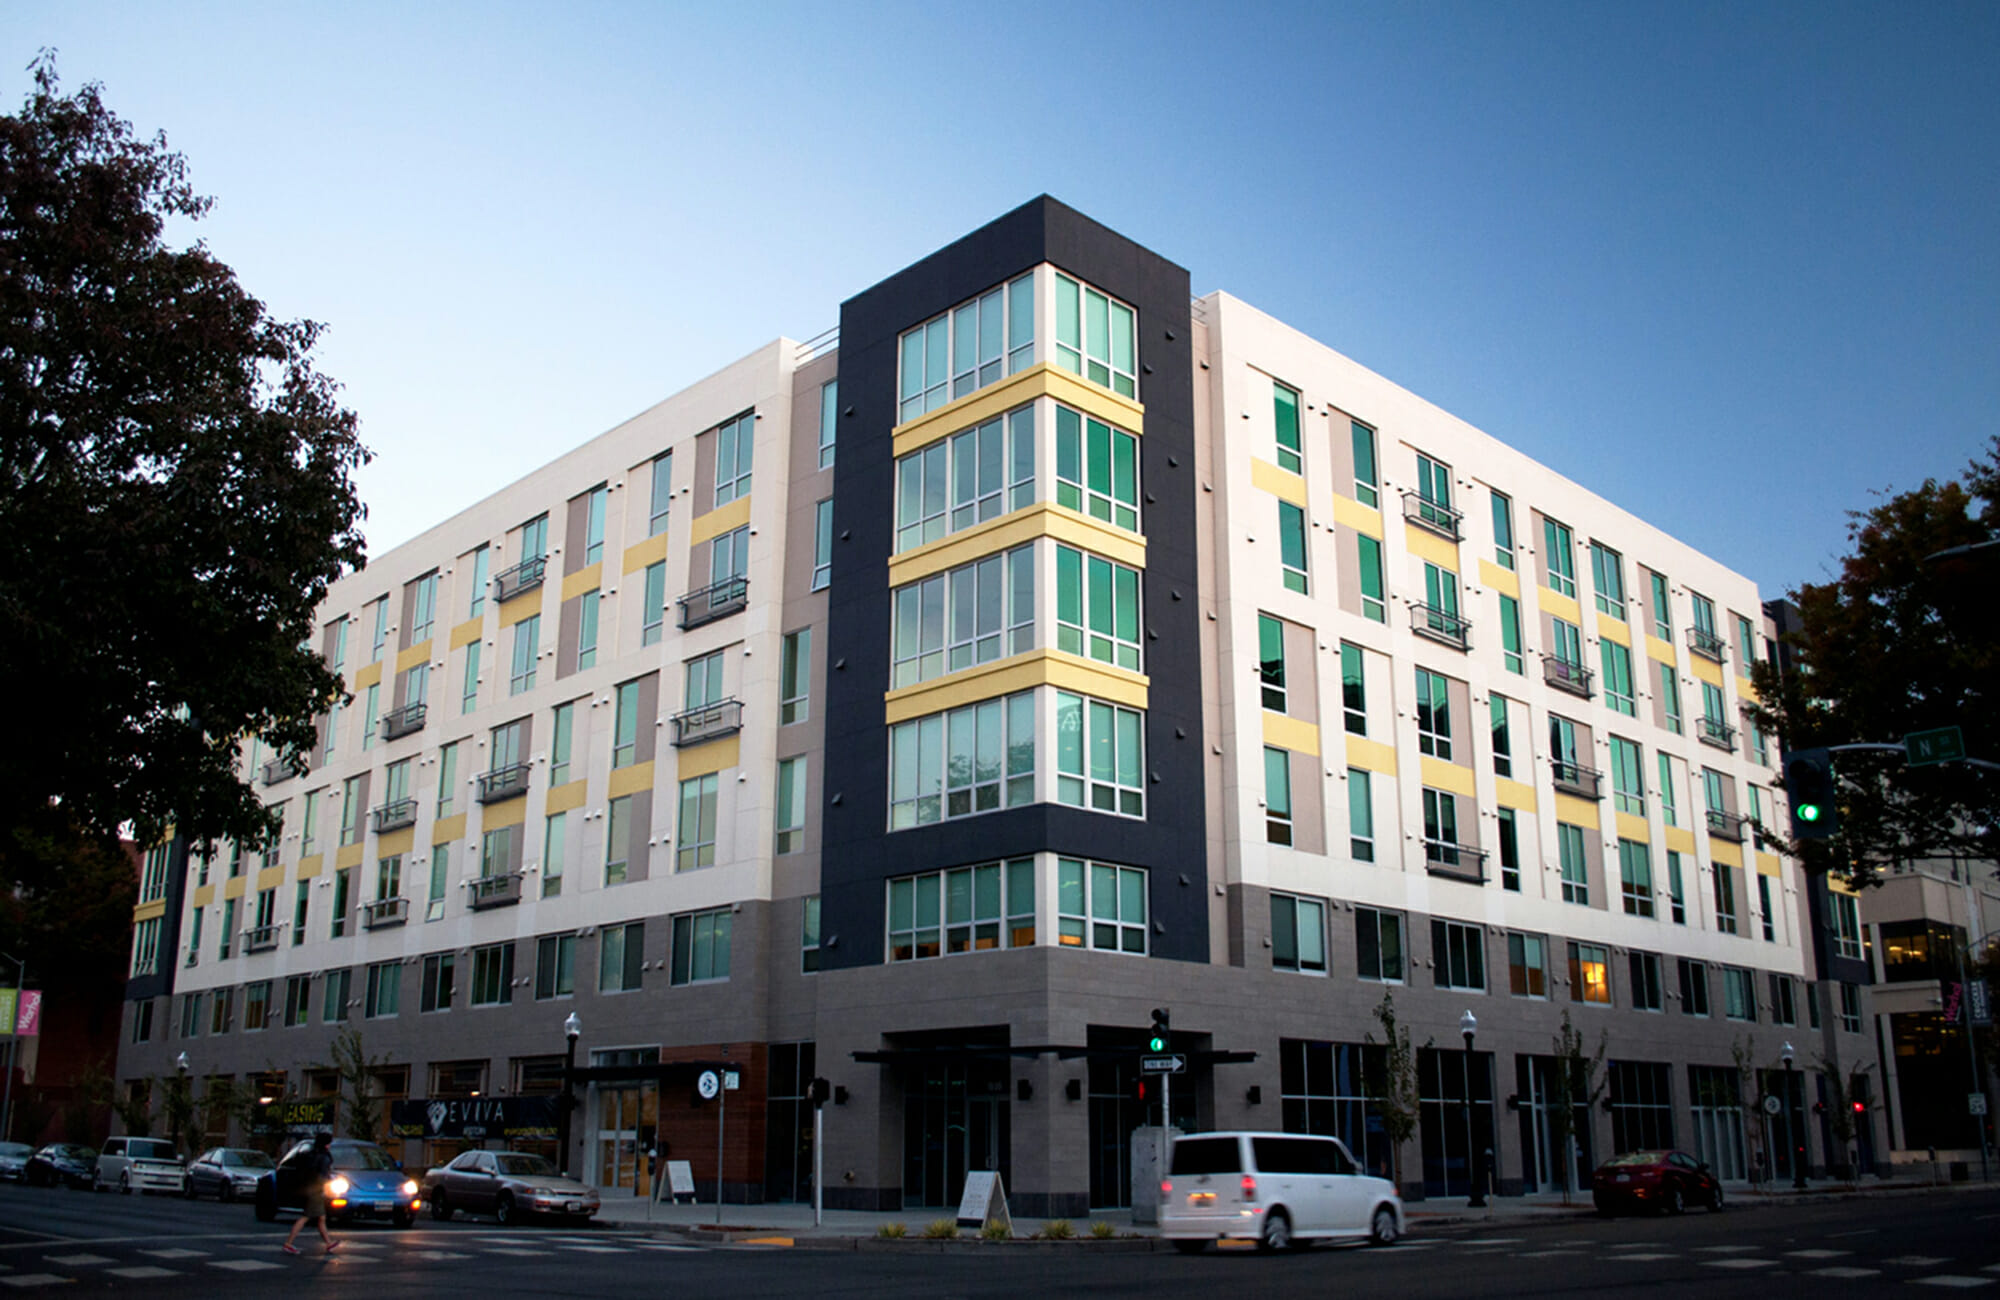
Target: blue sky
(1732, 266)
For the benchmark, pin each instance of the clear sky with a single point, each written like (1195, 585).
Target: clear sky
(1733, 266)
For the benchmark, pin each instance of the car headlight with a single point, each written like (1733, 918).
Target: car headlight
(337, 1186)
(410, 1187)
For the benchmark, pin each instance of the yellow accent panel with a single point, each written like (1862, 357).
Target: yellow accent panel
(1281, 732)
(446, 829)
(1613, 629)
(270, 878)
(1505, 581)
(368, 676)
(1724, 852)
(467, 632)
(1563, 607)
(508, 812)
(1513, 794)
(1279, 483)
(585, 579)
(1632, 828)
(627, 780)
(1745, 690)
(1839, 886)
(1349, 513)
(720, 520)
(564, 797)
(1371, 755)
(1016, 673)
(522, 606)
(416, 654)
(716, 756)
(1429, 546)
(204, 895)
(147, 911)
(646, 554)
(1680, 840)
(1658, 649)
(1770, 864)
(350, 855)
(310, 866)
(1449, 777)
(234, 888)
(1578, 812)
(1706, 669)
(1043, 380)
(402, 841)
(1044, 519)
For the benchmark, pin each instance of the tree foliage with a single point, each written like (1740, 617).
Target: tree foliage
(176, 495)
(1393, 1083)
(1579, 1080)
(1903, 640)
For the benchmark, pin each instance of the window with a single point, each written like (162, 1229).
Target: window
(1510, 851)
(618, 840)
(440, 969)
(1285, 412)
(308, 831)
(534, 539)
(1784, 1009)
(339, 987)
(1647, 992)
(350, 813)
(1617, 661)
(1277, 796)
(1096, 337)
(1589, 974)
(1271, 661)
(1850, 1008)
(822, 544)
(1298, 934)
(153, 885)
(371, 713)
(701, 947)
(1764, 908)
(1628, 777)
(385, 990)
(493, 975)
(1568, 647)
(1670, 698)
(662, 477)
(809, 932)
(146, 947)
(1292, 546)
(555, 853)
(965, 909)
(1663, 620)
(228, 935)
(1097, 607)
(964, 350)
(734, 441)
(1503, 744)
(1441, 605)
(380, 637)
(1739, 994)
(1607, 574)
(1434, 494)
(1694, 987)
(222, 1011)
(1725, 898)
(1104, 902)
(559, 744)
(300, 902)
(1844, 923)
(1676, 891)
(791, 813)
(468, 696)
(1433, 714)
(1575, 868)
(191, 1014)
(1704, 624)
(1360, 815)
(194, 936)
(593, 526)
(1367, 481)
(1760, 748)
(1714, 719)
(829, 411)
(969, 760)
(653, 610)
(586, 630)
(1746, 644)
(1441, 845)
(1503, 529)
(621, 956)
(795, 677)
(142, 1021)
(1510, 635)
(1635, 874)
(1669, 801)
(625, 709)
(440, 882)
(1378, 945)
(1110, 739)
(555, 966)
(972, 615)
(1354, 688)
(697, 825)
(1458, 955)
(527, 635)
(1527, 966)
(343, 882)
(1368, 555)
(971, 477)
(1559, 552)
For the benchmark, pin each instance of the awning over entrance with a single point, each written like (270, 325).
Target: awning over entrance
(945, 1053)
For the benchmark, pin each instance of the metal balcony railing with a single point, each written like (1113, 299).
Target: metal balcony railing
(276, 770)
(1567, 676)
(495, 891)
(525, 576)
(1726, 826)
(395, 816)
(503, 783)
(385, 912)
(1705, 643)
(1576, 779)
(1442, 626)
(403, 721)
(262, 938)
(707, 721)
(1425, 513)
(717, 600)
(1711, 731)
(1455, 861)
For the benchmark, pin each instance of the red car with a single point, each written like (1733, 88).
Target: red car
(1667, 1181)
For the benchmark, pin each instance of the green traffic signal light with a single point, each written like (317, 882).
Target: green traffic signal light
(1807, 812)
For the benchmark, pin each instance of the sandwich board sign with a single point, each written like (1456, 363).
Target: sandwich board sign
(984, 1202)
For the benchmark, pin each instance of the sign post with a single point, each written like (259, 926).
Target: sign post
(1942, 745)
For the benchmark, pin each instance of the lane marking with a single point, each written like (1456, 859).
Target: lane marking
(1852, 1232)
(175, 1252)
(79, 1261)
(521, 1252)
(142, 1272)
(1490, 1241)
(244, 1265)
(1919, 1261)
(1741, 1263)
(1817, 1254)
(1951, 1279)
(1656, 1255)
(25, 1280)
(1727, 1250)
(1845, 1273)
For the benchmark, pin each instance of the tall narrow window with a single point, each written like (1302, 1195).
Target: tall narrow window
(662, 493)
(1277, 795)
(1725, 898)
(1434, 494)
(1368, 552)
(481, 561)
(593, 525)
(653, 607)
(1503, 529)
(822, 544)
(1575, 871)
(1607, 580)
(618, 840)
(1589, 973)
(1676, 891)
(1663, 617)
(1354, 688)
(1670, 698)
(1510, 635)
(1271, 661)
(559, 744)
(1503, 741)
(1298, 934)
(555, 853)
(439, 883)
(527, 638)
(791, 810)
(696, 845)
(733, 443)
(1360, 815)
(829, 411)
(1292, 545)
(621, 957)
(1765, 910)
(586, 630)
(1635, 874)
(1285, 406)
(625, 720)
(1441, 844)
(1527, 966)
(1628, 777)
(1510, 851)
(468, 698)
(1433, 714)
(423, 607)
(1559, 551)
(1367, 481)
(1378, 945)
(795, 677)
(1617, 661)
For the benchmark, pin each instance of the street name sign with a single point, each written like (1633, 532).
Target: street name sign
(1165, 1063)
(1944, 745)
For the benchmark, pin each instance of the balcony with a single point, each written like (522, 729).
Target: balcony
(495, 891)
(395, 816)
(1726, 826)
(503, 783)
(722, 718)
(1455, 861)
(718, 600)
(1711, 731)
(1567, 676)
(1442, 626)
(1429, 515)
(385, 912)
(261, 939)
(401, 722)
(525, 576)
(1705, 643)
(276, 770)
(1574, 778)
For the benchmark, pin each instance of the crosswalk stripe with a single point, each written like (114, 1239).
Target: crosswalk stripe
(1846, 1273)
(142, 1272)
(1952, 1280)
(25, 1280)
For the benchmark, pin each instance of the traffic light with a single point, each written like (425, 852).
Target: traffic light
(1157, 1041)
(1810, 790)
(1861, 1108)
(1819, 1108)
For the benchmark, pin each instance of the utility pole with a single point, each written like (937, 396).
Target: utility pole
(13, 1046)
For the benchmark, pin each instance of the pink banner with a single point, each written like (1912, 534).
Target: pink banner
(28, 1017)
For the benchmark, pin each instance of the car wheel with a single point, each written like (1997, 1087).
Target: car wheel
(1190, 1245)
(125, 1184)
(267, 1207)
(1715, 1199)
(188, 1189)
(227, 1192)
(1277, 1232)
(503, 1210)
(1383, 1229)
(1673, 1203)
(405, 1218)
(440, 1208)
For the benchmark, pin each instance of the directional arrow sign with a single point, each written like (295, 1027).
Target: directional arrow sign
(1169, 1063)
(1944, 745)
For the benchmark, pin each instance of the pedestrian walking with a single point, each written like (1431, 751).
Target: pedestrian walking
(319, 1168)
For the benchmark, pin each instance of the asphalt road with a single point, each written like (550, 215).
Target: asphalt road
(57, 1241)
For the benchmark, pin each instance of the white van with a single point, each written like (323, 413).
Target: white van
(1276, 1189)
(139, 1164)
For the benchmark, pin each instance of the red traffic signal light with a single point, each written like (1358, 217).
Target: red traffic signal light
(1860, 1107)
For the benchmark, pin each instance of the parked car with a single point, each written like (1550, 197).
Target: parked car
(1277, 1189)
(507, 1185)
(13, 1159)
(227, 1173)
(1667, 1181)
(366, 1184)
(138, 1164)
(61, 1162)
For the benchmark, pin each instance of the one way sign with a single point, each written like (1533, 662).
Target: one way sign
(1167, 1063)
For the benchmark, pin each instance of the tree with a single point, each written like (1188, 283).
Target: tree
(361, 1108)
(1393, 1083)
(178, 1113)
(176, 496)
(1578, 1085)
(1843, 1094)
(1903, 640)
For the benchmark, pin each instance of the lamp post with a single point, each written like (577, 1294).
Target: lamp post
(1468, 1025)
(1793, 1128)
(572, 1030)
(13, 1047)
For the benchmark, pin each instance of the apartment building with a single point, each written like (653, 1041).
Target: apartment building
(921, 710)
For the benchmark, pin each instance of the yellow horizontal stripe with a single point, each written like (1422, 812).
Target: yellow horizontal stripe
(1632, 828)
(526, 604)
(270, 878)
(1504, 581)
(1563, 607)
(1612, 629)
(1839, 886)
(371, 675)
(1371, 755)
(416, 654)
(1449, 777)
(446, 829)
(1279, 483)
(646, 554)
(584, 579)
(349, 855)
(402, 841)
(722, 519)
(1746, 690)
(564, 797)
(1770, 864)
(467, 632)
(310, 866)
(1577, 812)
(715, 756)
(1294, 734)
(1513, 794)
(1426, 545)
(1725, 852)
(508, 812)
(1663, 651)
(204, 895)
(1044, 519)
(1016, 673)
(234, 888)
(147, 911)
(1349, 513)
(1043, 380)
(1706, 669)
(1679, 840)
(629, 780)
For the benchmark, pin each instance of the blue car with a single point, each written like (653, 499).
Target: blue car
(366, 1184)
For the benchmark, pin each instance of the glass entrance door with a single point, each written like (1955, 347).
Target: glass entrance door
(955, 1118)
(628, 1119)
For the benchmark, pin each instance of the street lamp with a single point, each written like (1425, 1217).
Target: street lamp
(572, 1030)
(1792, 1123)
(1468, 1025)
